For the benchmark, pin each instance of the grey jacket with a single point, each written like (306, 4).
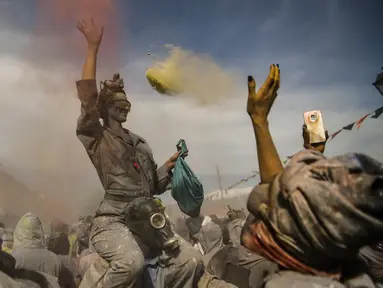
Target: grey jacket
(29, 247)
(124, 163)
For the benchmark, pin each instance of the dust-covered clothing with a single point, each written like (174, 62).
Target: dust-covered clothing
(8, 282)
(82, 234)
(207, 233)
(69, 272)
(194, 226)
(318, 212)
(235, 231)
(124, 163)
(127, 170)
(33, 279)
(85, 259)
(240, 266)
(29, 247)
(124, 251)
(20, 277)
(210, 281)
(182, 271)
(210, 239)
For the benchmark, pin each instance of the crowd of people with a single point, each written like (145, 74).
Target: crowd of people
(317, 222)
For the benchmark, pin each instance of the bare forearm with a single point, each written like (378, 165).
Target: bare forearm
(268, 159)
(89, 70)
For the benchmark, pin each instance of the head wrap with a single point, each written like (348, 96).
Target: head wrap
(29, 233)
(321, 211)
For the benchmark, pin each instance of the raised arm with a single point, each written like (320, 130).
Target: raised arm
(258, 107)
(93, 35)
(88, 125)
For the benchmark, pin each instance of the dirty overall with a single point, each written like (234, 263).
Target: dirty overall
(127, 170)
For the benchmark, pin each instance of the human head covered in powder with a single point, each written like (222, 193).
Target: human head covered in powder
(112, 101)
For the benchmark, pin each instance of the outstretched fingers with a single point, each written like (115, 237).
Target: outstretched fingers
(92, 22)
(277, 76)
(81, 25)
(251, 85)
(277, 81)
(270, 79)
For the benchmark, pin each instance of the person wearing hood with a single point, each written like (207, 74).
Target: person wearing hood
(29, 247)
(13, 277)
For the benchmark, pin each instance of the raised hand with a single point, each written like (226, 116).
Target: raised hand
(259, 103)
(92, 32)
(315, 146)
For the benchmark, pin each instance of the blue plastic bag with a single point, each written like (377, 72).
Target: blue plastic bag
(187, 190)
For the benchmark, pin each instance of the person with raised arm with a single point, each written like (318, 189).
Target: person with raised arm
(126, 168)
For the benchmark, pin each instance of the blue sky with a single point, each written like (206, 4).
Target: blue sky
(329, 52)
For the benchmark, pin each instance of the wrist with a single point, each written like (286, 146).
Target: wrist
(311, 147)
(259, 122)
(93, 48)
(169, 166)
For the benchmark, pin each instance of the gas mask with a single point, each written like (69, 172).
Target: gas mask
(146, 218)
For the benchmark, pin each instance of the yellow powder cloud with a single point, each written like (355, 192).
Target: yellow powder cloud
(186, 73)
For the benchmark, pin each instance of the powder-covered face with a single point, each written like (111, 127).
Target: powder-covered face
(119, 110)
